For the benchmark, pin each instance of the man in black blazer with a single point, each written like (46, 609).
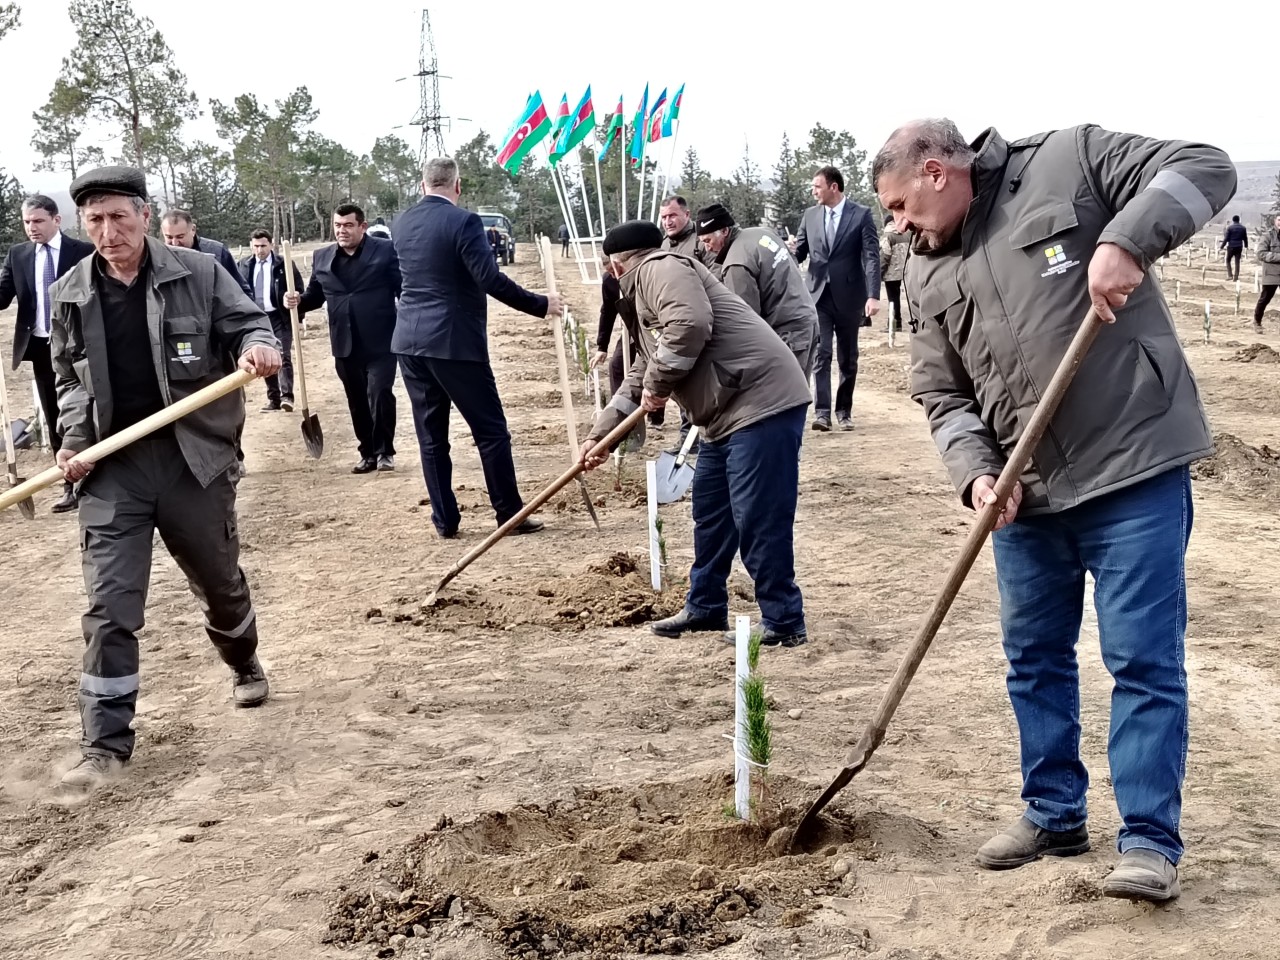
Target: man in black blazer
(839, 239)
(359, 277)
(441, 340)
(29, 270)
(264, 273)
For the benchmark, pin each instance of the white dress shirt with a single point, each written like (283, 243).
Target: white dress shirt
(833, 215)
(265, 267)
(55, 247)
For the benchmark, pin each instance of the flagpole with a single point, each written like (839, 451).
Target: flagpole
(574, 235)
(562, 200)
(622, 213)
(599, 191)
(591, 230)
(644, 143)
(666, 172)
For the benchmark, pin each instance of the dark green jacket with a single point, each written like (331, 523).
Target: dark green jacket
(1000, 305)
(757, 266)
(193, 301)
(1269, 256)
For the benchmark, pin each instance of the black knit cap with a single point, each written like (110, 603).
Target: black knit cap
(712, 217)
(632, 235)
(125, 181)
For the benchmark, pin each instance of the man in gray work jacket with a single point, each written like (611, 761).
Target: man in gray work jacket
(1013, 243)
(138, 326)
(755, 264)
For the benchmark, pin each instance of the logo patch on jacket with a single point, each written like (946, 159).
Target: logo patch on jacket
(185, 352)
(1058, 261)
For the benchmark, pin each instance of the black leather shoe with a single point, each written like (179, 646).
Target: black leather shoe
(271, 407)
(531, 525)
(771, 638)
(822, 424)
(366, 465)
(249, 686)
(845, 422)
(1024, 842)
(682, 622)
(287, 404)
(68, 501)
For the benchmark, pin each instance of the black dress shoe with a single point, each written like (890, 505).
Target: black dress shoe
(366, 465)
(531, 525)
(68, 502)
(772, 638)
(270, 407)
(683, 622)
(287, 404)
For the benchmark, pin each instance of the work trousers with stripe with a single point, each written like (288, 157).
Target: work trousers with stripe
(144, 488)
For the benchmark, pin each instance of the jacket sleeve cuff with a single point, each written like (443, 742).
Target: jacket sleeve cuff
(1126, 244)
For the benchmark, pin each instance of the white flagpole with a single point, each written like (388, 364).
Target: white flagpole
(644, 143)
(561, 199)
(666, 173)
(622, 214)
(653, 203)
(591, 230)
(595, 155)
(574, 236)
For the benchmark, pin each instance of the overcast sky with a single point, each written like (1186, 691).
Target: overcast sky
(752, 71)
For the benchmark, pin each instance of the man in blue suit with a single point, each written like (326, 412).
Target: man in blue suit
(840, 241)
(359, 277)
(441, 339)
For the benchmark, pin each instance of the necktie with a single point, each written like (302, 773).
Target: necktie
(831, 227)
(260, 285)
(48, 279)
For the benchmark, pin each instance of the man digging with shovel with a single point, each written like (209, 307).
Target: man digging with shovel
(702, 346)
(1013, 243)
(138, 327)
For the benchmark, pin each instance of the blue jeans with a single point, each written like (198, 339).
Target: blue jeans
(744, 495)
(1133, 542)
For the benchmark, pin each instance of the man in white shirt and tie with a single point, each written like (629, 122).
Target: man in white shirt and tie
(264, 272)
(839, 239)
(29, 270)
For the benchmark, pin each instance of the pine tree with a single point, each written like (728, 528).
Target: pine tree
(791, 187)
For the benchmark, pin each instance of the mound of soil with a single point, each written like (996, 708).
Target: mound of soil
(1255, 353)
(656, 869)
(614, 593)
(1244, 469)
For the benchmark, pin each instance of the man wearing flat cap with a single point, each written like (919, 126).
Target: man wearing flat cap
(138, 326)
(702, 346)
(756, 265)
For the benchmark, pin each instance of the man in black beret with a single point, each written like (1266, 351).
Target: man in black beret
(703, 347)
(755, 264)
(108, 311)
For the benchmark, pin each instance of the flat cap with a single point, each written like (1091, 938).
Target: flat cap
(632, 235)
(125, 181)
(712, 217)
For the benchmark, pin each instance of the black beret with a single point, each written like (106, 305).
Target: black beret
(712, 217)
(632, 235)
(125, 181)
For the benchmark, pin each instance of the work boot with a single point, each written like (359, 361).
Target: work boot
(89, 774)
(1024, 842)
(773, 638)
(249, 685)
(68, 501)
(386, 463)
(685, 622)
(845, 421)
(822, 423)
(1257, 326)
(1143, 874)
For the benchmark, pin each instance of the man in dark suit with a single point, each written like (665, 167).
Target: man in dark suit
(29, 270)
(441, 340)
(264, 272)
(839, 239)
(359, 277)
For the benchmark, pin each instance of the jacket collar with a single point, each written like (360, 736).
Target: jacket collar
(987, 173)
(77, 285)
(734, 232)
(628, 281)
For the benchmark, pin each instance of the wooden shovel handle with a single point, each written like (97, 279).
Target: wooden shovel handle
(562, 359)
(11, 455)
(983, 524)
(175, 411)
(600, 449)
(287, 250)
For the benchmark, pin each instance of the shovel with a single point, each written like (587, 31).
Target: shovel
(117, 441)
(566, 395)
(986, 519)
(562, 481)
(675, 473)
(312, 435)
(25, 506)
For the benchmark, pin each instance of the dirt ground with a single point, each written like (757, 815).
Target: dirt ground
(526, 771)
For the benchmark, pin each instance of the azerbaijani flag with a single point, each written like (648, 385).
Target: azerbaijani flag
(562, 116)
(525, 134)
(673, 113)
(637, 128)
(575, 131)
(655, 118)
(615, 128)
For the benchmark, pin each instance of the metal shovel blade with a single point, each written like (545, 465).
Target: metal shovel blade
(675, 473)
(26, 507)
(312, 435)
